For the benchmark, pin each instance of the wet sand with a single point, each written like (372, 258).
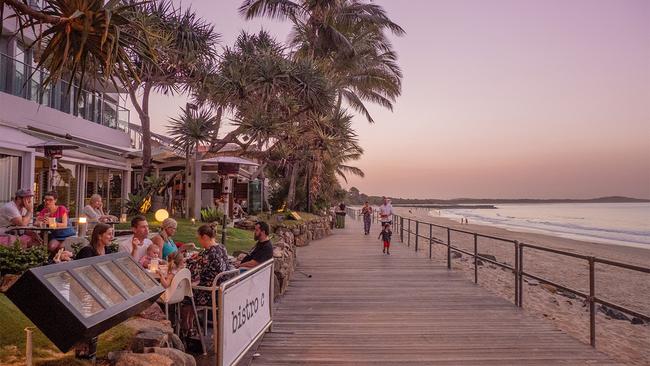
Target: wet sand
(621, 339)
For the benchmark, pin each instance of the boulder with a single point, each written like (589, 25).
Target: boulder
(141, 325)
(178, 357)
(612, 313)
(637, 321)
(7, 281)
(176, 342)
(567, 294)
(531, 282)
(488, 256)
(149, 339)
(550, 288)
(153, 312)
(277, 252)
(143, 359)
(456, 255)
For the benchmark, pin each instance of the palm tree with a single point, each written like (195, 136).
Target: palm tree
(345, 37)
(79, 39)
(190, 131)
(185, 46)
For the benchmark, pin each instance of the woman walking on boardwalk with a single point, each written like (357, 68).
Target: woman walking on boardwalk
(366, 211)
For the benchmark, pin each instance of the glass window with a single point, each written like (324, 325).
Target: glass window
(9, 176)
(100, 285)
(64, 182)
(74, 293)
(108, 184)
(137, 272)
(119, 277)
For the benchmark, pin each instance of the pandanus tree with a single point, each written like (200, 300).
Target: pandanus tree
(347, 41)
(270, 96)
(185, 50)
(189, 131)
(81, 40)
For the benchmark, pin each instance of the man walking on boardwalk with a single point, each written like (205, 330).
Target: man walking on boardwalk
(386, 212)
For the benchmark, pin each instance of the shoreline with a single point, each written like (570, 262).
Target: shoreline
(617, 252)
(621, 339)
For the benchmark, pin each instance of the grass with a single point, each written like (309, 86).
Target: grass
(236, 239)
(12, 340)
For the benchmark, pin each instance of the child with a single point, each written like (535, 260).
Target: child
(385, 236)
(153, 251)
(175, 262)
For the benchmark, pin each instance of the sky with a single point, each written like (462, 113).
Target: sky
(500, 99)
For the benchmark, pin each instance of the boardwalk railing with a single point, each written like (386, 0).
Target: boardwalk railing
(403, 225)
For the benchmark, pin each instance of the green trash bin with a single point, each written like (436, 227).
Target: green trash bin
(340, 220)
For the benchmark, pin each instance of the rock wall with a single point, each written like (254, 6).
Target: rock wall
(288, 236)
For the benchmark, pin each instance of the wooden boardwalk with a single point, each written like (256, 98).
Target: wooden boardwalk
(361, 307)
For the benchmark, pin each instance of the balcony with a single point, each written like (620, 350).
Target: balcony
(22, 80)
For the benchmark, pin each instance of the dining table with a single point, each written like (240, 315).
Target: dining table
(44, 231)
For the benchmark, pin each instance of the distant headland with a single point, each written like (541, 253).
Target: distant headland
(355, 197)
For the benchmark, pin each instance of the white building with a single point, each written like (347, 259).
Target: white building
(96, 122)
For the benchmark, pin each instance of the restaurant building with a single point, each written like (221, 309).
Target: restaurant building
(96, 124)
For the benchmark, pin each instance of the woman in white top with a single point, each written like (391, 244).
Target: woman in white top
(94, 211)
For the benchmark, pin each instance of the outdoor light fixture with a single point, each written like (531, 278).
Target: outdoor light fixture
(74, 302)
(82, 226)
(161, 215)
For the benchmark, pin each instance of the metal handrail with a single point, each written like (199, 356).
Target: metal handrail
(517, 269)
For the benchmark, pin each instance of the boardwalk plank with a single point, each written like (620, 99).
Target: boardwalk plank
(361, 307)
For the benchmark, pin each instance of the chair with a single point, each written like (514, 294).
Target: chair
(181, 287)
(213, 296)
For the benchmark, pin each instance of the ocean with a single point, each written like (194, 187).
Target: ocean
(610, 223)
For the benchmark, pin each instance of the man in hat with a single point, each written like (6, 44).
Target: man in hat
(18, 212)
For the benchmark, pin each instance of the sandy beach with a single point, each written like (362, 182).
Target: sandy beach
(627, 342)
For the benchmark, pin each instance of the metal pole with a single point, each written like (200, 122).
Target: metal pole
(521, 275)
(516, 272)
(592, 303)
(28, 346)
(401, 229)
(417, 233)
(448, 249)
(430, 239)
(409, 232)
(475, 258)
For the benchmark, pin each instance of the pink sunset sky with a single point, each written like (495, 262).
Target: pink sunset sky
(501, 99)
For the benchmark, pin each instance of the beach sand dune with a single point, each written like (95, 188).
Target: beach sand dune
(620, 339)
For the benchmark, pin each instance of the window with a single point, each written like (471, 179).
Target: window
(64, 182)
(9, 176)
(108, 184)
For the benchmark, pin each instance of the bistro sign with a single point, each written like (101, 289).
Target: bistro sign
(245, 312)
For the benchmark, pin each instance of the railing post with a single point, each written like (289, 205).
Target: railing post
(592, 303)
(516, 273)
(430, 239)
(409, 233)
(401, 229)
(521, 275)
(475, 258)
(417, 234)
(448, 249)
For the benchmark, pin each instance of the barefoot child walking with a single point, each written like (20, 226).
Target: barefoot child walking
(385, 235)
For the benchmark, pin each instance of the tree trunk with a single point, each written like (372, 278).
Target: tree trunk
(291, 196)
(188, 174)
(143, 113)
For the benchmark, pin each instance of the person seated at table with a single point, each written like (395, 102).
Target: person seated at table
(204, 268)
(137, 243)
(175, 262)
(94, 211)
(99, 242)
(164, 239)
(263, 249)
(18, 212)
(59, 213)
(153, 253)
(237, 210)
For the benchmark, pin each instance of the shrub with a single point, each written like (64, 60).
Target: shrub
(16, 260)
(211, 214)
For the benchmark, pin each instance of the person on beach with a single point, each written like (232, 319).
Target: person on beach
(385, 235)
(386, 212)
(366, 211)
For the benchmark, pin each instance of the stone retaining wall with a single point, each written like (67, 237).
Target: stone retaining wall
(288, 236)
